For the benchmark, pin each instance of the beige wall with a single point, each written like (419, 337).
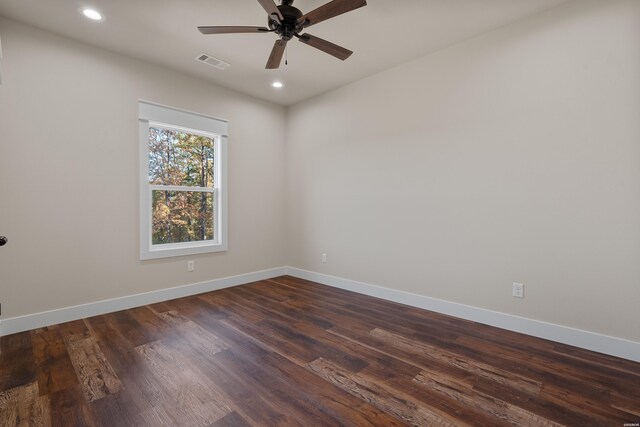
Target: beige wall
(514, 156)
(69, 171)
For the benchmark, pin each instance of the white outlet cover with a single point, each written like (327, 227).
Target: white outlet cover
(518, 290)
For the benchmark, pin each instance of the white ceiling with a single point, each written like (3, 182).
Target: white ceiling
(383, 34)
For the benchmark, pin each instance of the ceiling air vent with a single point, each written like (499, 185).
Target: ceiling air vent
(214, 62)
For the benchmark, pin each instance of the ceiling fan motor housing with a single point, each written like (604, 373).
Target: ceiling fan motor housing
(289, 25)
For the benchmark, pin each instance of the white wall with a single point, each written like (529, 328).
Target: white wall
(69, 174)
(514, 156)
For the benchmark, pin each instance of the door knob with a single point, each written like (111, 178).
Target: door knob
(3, 240)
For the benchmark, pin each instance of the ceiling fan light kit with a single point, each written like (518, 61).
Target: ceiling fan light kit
(288, 22)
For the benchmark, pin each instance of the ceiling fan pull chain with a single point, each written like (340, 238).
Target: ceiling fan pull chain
(286, 55)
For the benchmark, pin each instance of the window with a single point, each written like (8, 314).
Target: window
(182, 182)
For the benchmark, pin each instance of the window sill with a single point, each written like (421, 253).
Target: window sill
(176, 251)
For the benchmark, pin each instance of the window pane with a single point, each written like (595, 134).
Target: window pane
(181, 216)
(180, 158)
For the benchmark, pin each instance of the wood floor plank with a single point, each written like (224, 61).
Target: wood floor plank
(554, 410)
(603, 361)
(193, 305)
(481, 369)
(601, 410)
(465, 394)
(23, 406)
(54, 369)
(268, 383)
(282, 303)
(117, 409)
(230, 307)
(232, 419)
(288, 351)
(301, 309)
(94, 372)
(150, 324)
(558, 412)
(234, 384)
(398, 404)
(199, 339)
(129, 327)
(395, 375)
(560, 363)
(116, 347)
(549, 370)
(69, 408)
(628, 404)
(141, 389)
(340, 405)
(16, 361)
(453, 371)
(261, 306)
(186, 391)
(75, 327)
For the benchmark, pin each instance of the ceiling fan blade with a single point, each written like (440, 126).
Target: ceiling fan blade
(271, 8)
(329, 10)
(276, 55)
(229, 30)
(325, 46)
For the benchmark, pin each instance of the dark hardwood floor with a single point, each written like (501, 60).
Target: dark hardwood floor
(291, 352)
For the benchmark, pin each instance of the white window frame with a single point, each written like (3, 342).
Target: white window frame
(150, 114)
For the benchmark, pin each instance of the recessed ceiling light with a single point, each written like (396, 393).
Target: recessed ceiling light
(92, 14)
(277, 85)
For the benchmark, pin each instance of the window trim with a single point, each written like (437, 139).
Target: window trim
(173, 118)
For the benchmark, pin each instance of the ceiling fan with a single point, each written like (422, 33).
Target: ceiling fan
(288, 22)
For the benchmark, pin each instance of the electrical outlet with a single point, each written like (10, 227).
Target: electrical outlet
(324, 257)
(518, 290)
(191, 265)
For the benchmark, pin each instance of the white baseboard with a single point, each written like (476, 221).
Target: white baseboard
(576, 337)
(67, 314)
(584, 339)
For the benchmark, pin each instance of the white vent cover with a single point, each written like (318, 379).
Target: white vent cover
(214, 62)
